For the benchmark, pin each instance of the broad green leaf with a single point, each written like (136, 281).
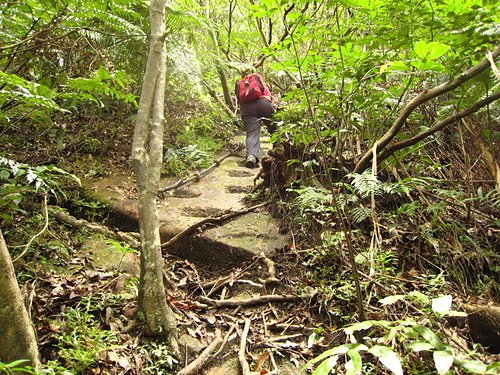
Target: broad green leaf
(418, 346)
(358, 327)
(428, 65)
(430, 336)
(326, 366)
(393, 66)
(355, 362)
(475, 367)
(442, 304)
(388, 358)
(443, 359)
(431, 50)
(391, 299)
(331, 352)
(420, 297)
(493, 369)
(16, 363)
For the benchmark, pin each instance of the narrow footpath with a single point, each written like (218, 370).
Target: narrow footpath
(228, 290)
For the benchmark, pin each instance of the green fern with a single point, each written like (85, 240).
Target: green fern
(361, 213)
(365, 183)
(311, 199)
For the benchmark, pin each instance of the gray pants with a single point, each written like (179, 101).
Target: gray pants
(250, 114)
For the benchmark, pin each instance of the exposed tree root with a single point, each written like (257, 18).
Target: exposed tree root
(271, 298)
(209, 221)
(64, 217)
(199, 175)
(245, 367)
(195, 367)
(272, 280)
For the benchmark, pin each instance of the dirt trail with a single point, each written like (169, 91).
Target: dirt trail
(228, 275)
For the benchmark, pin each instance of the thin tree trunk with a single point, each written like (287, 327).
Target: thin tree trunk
(17, 337)
(220, 70)
(147, 150)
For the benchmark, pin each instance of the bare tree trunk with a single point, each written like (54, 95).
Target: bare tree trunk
(17, 337)
(147, 150)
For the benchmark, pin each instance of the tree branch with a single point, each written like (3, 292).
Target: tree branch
(260, 300)
(437, 127)
(245, 367)
(421, 98)
(195, 367)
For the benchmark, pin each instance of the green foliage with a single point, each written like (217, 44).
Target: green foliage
(159, 359)
(80, 339)
(100, 88)
(196, 145)
(15, 367)
(20, 180)
(37, 99)
(187, 159)
(402, 342)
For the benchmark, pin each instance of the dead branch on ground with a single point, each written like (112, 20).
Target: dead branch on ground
(195, 367)
(245, 367)
(260, 300)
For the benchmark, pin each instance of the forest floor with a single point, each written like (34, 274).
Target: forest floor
(225, 278)
(238, 282)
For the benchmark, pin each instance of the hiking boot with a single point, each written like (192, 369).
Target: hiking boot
(251, 161)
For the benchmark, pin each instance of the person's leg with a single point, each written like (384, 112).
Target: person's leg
(252, 127)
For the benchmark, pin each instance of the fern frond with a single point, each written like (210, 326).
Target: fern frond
(365, 183)
(361, 213)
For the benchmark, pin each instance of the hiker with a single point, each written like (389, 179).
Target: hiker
(256, 108)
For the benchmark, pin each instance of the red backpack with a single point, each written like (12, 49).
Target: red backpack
(252, 87)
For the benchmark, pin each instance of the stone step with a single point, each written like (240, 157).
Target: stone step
(222, 191)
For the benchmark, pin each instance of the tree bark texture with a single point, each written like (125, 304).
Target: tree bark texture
(421, 98)
(147, 156)
(17, 337)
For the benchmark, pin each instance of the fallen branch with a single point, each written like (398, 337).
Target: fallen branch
(209, 221)
(226, 339)
(245, 367)
(261, 300)
(66, 218)
(199, 175)
(196, 366)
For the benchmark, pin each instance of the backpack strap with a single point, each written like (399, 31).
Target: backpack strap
(260, 81)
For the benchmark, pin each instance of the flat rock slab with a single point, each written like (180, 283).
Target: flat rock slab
(222, 191)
